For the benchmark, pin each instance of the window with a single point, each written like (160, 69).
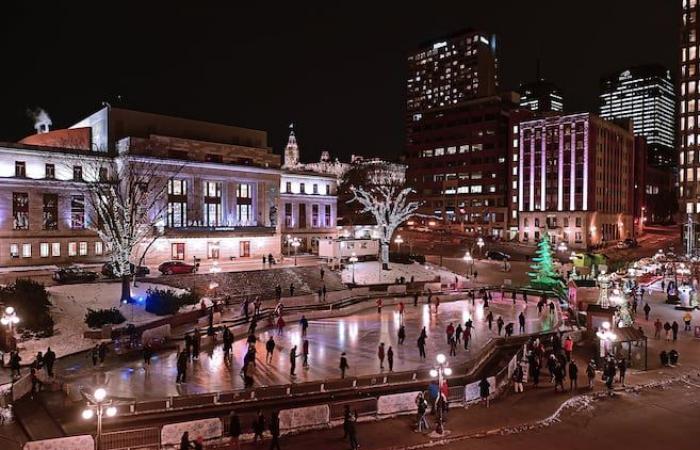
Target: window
(26, 250)
(302, 188)
(213, 250)
(328, 189)
(56, 249)
(244, 203)
(20, 210)
(212, 204)
(77, 212)
(328, 216)
(83, 248)
(288, 187)
(50, 211)
(77, 173)
(98, 248)
(72, 248)
(566, 221)
(20, 169)
(177, 204)
(244, 249)
(302, 215)
(315, 188)
(314, 216)
(44, 249)
(103, 174)
(50, 172)
(177, 251)
(14, 250)
(288, 221)
(578, 237)
(578, 222)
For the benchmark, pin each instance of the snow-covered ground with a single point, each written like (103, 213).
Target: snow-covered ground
(369, 272)
(70, 304)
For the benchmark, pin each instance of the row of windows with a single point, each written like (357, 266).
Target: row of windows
(552, 222)
(20, 211)
(53, 249)
(50, 171)
(302, 188)
(578, 236)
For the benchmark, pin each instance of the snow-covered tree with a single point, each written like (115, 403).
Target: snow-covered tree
(544, 275)
(390, 208)
(126, 200)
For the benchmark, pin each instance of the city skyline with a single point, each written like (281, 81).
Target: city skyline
(293, 59)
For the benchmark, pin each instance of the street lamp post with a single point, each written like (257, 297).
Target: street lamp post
(9, 319)
(440, 372)
(353, 260)
(398, 241)
(295, 244)
(470, 262)
(99, 406)
(289, 241)
(480, 243)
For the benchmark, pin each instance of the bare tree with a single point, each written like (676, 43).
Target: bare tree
(390, 207)
(126, 199)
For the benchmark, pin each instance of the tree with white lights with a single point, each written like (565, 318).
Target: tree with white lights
(126, 199)
(544, 275)
(390, 208)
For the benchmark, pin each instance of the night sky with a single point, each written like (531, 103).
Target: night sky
(337, 72)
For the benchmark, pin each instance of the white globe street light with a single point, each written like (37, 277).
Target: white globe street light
(9, 319)
(480, 243)
(99, 406)
(470, 261)
(440, 372)
(353, 260)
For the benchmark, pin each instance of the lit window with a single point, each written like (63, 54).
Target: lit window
(98, 248)
(56, 249)
(83, 248)
(72, 248)
(26, 250)
(14, 250)
(44, 249)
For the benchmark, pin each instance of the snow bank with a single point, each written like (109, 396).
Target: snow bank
(369, 272)
(70, 304)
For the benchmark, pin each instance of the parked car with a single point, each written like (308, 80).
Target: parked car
(139, 271)
(74, 275)
(497, 256)
(173, 267)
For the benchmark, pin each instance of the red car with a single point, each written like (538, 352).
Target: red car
(173, 267)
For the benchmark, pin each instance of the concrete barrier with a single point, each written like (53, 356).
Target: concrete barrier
(472, 390)
(81, 442)
(304, 418)
(334, 296)
(300, 300)
(397, 403)
(208, 429)
(156, 334)
(434, 287)
(360, 291)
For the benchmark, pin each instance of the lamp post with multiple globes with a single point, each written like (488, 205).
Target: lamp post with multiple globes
(440, 371)
(9, 319)
(99, 406)
(470, 262)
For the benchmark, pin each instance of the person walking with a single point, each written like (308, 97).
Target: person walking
(185, 441)
(568, 347)
(305, 354)
(196, 343)
(499, 324)
(379, 303)
(258, 427)
(181, 366)
(402, 334)
(674, 330)
(535, 372)
(401, 309)
(521, 322)
(437, 304)
(380, 355)
(657, 328)
(518, 376)
(275, 431)
(422, 406)
(667, 330)
(293, 361)
(453, 346)
(352, 432)
(280, 326)
(458, 333)
(489, 319)
(234, 429)
(622, 368)
(49, 360)
(94, 354)
(390, 358)
(147, 355)
(304, 323)
(421, 345)
(558, 377)
(291, 289)
(415, 299)
(647, 311)
(573, 376)
(449, 332)
(484, 391)
(343, 365)
(687, 317)
(15, 364)
(590, 373)
(270, 349)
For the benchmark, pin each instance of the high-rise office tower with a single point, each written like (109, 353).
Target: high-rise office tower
(688, 120)
(451, 69)
(646, 95)
(541, 96)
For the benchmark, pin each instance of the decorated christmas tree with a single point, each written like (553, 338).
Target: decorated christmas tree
(544, 276)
